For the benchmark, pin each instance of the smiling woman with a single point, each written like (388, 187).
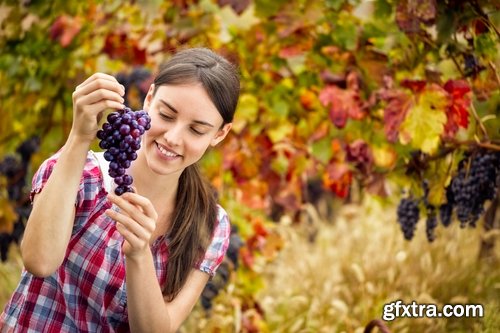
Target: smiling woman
(185, 123)
(166, 239)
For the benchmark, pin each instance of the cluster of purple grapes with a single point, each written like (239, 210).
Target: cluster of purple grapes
(476, 181)
(120, 138)
(432, 221)
(408, 215)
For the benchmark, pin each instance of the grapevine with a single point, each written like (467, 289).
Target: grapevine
(474, 184)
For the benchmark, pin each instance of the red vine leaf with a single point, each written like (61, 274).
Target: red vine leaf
(118, 46)
(291, 51)
(343, 104)
(246, 257)
(64, 29)
(458, 111)
(398, 104)
(338, 178)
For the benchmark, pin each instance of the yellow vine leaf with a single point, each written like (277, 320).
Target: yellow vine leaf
(248, 109)
(424, 123)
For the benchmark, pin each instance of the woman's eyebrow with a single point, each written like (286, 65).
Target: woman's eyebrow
(168, 105)
(201, 122)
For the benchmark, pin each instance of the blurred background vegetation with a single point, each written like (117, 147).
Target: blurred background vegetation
(347, 108)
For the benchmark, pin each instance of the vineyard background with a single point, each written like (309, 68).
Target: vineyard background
(346, 108)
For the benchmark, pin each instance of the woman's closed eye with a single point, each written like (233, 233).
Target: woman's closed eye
(193, 129)
(166, 116)
(197, 132)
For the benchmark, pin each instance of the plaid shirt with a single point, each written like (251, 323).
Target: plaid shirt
(87, 293)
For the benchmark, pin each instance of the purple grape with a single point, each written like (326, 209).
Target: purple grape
(112, 118)
(127, 180)
(119, 180)
(124, 129)
(101, 134)
(135, 133)
(124, 146)
(104, 144)
(120, 137)
(106, 127)
(128, 139)
(113, 151)
(108, 156)
(120, 190)
(116, 135)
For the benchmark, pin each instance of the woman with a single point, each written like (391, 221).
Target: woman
(98, 262)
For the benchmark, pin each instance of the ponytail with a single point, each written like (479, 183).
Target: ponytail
(193, 224)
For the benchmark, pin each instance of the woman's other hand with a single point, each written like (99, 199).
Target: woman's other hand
(135, 221)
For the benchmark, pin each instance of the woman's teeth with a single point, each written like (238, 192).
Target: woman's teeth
(166, 152)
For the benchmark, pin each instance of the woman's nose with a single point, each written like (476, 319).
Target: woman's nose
(173, 134)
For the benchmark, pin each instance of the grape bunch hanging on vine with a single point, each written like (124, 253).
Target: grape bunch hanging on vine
(475, 183)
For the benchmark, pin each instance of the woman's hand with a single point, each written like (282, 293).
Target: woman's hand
(136, 222)
(96, 94)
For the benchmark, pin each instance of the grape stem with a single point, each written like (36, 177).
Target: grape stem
(494, 69)
(480, 123)
(487, 145)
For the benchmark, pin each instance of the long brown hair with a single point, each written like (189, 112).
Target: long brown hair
(195, 211)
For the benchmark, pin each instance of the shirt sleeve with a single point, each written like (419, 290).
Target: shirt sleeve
(218, 247)
(90, 184)
(42, 175)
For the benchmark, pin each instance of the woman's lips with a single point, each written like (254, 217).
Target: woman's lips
(166, 152)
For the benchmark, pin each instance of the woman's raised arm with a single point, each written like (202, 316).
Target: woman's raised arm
(49, 226)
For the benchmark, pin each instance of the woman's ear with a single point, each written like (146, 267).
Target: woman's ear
(221, 134)
(149, 98)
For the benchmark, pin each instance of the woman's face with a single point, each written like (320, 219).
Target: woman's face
(184, 123)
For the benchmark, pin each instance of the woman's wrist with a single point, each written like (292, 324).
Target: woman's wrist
(139, 257)
(78, 143)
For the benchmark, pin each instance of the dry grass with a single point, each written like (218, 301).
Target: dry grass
(358, 263)
(340, 282)
(10, 273)
(361, 261)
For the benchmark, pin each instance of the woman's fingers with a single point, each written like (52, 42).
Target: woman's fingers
(100, 85)
(143, 202)
(141, 213)
(130, 202)
(129, 236)
(124, 221)
(102, 105)
(96, 76)
(98, 96)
